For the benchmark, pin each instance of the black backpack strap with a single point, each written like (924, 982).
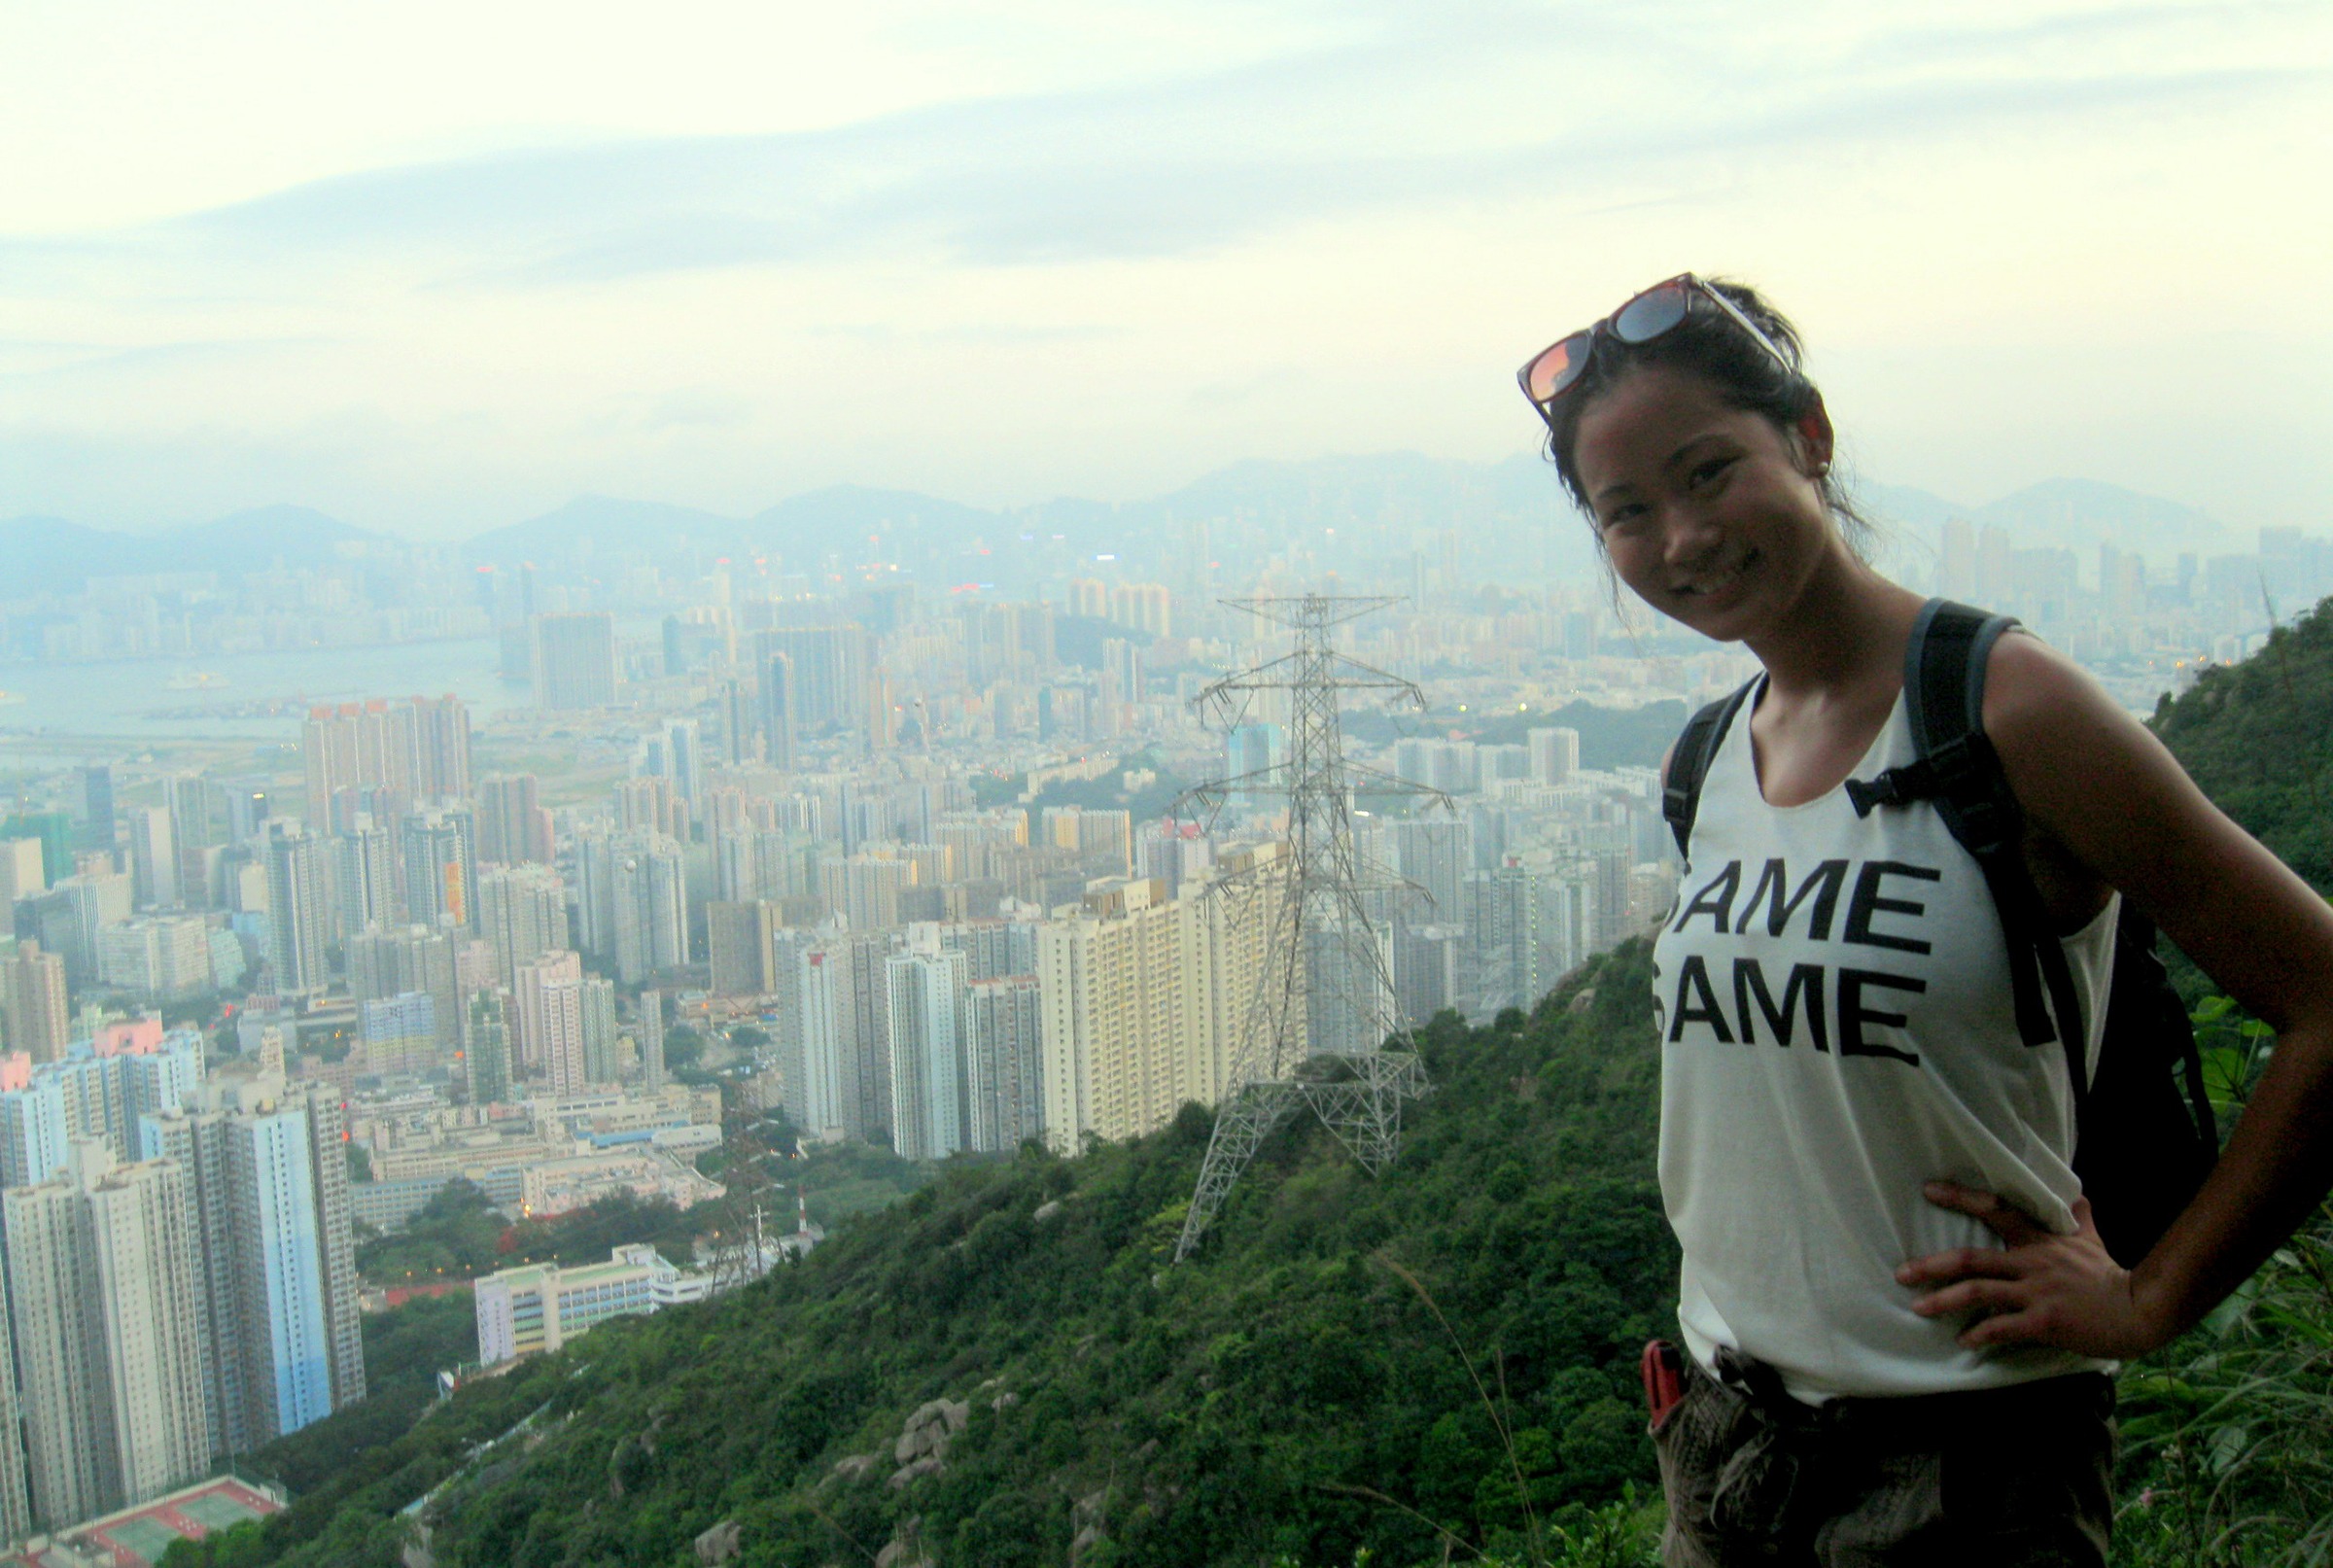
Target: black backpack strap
(1689, 764)
(1955, 767)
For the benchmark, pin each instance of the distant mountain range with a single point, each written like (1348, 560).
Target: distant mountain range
(2069, 514)
(1258, 513)
(52, 555)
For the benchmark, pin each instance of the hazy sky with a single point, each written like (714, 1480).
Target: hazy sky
(436, 266)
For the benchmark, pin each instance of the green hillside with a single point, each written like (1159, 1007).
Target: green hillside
(2258, 736)
(1291, 1392)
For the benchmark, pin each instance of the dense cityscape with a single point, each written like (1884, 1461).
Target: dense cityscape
(815, 848)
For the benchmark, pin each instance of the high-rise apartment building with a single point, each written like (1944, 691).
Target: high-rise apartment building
(298, 908)
(1143, 998)
(101, 1274)
(598, 1030)
(399, 1033)
(1003, 1061)
(71, 915)
(831, 669)
(196, 1142)
(21, 875)
(34, 1133)
(140, 1228)
(390, 962)
(441, 747)
(834, 1032)
(194, 811)
(1503, 946)
(631, 902)
(389, 752)
(549, 995)
(335, 1239)
(55, 831)
(522, 912)
(775, 716)
(738, 940)
(270, 1188)
(677, 753)
(38, 1019)
(513, 827)
(1555, 754)
(1426, 968)
(815, 1041)
(865, 889)
(16, 1501)
(489, 1052)
(654, 804)
(574, 660)
(648, 1035)
(159, 958)
(153, 857)
(927, 1053)
(276, 1288)
(97, 807)
(441, 865)
(364, 877)
(651, 918)
(60, 1352)
(1142, 606)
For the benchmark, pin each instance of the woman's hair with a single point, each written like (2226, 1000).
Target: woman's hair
(1711, 345)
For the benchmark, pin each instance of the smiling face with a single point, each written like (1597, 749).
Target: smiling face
(1711, 514)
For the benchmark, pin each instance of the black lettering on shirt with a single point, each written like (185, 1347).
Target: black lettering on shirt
(1868, 902)
(1824, 882)
(1694, 973)
(1806, 980)
(1854, 1015)
(1715, 899)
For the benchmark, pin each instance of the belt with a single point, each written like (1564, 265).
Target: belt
(1761, 1480)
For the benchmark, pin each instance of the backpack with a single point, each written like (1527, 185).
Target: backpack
(2143, 1147)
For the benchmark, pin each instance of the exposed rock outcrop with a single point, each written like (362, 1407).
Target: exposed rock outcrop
(719, 1544)
(922, 1447)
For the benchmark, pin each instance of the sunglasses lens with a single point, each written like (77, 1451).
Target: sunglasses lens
(1558, 368)
(1652, 313)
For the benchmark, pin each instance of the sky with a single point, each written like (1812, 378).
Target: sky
(436, 267)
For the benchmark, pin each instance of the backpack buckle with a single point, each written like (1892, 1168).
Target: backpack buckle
(1889, 788)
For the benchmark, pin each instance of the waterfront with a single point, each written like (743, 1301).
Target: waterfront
(134, 700)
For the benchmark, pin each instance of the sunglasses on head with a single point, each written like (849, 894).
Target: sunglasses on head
(1556, 369)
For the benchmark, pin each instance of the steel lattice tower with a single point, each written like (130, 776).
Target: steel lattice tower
(1321, 1031)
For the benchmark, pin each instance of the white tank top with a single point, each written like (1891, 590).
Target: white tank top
(1832, 994)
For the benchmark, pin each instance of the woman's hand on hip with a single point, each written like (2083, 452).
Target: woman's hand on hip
(2039, 1288)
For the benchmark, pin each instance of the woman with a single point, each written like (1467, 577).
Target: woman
(1899, 1311)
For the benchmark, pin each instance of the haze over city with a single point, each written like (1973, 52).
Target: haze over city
(431, 271)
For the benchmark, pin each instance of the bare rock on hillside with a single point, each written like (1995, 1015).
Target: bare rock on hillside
(1089, 1514)
(718, 1543)
(914, 1470)
(905, 1549)
(928, 1430)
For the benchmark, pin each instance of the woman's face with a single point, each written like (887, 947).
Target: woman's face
(1709, 513)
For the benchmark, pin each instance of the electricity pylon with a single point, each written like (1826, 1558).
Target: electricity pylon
(1321, 1031)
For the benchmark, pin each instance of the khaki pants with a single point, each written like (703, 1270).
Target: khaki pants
(2010, 1477)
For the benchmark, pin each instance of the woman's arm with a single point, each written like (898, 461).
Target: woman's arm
(2104, 787)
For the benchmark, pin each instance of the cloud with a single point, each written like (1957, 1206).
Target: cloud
(1173, 168)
